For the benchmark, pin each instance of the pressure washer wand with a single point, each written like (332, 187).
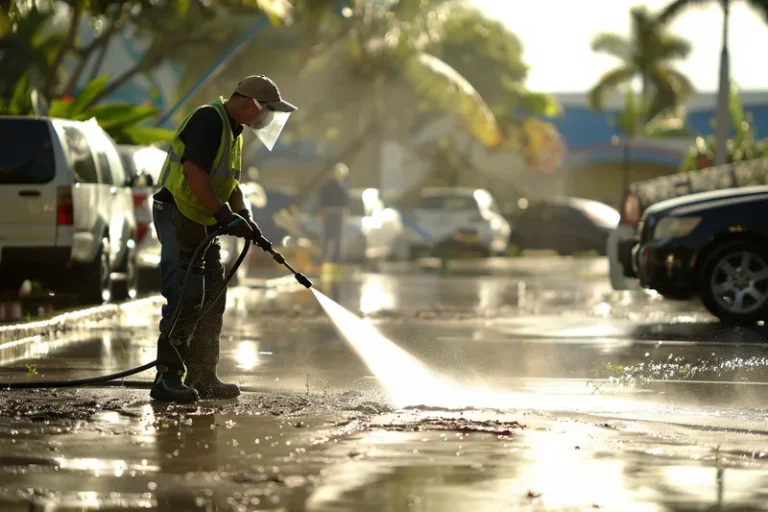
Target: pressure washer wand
(266, 245)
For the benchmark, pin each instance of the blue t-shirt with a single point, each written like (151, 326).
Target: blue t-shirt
(333, 195)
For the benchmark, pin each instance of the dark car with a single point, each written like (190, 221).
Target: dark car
(717, 250)
(626, 247)
(567, 225)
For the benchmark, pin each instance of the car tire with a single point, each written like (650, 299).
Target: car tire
(735, 294)
(127, 288)
(95, 287)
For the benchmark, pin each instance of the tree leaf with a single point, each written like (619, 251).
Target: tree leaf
(539, 104)
(60, 109)
(148, 135)
(18, 99)
(736, 107)
(279, 12)
(435, 79)
(182, 7)
(115, 115)
(676, 7)
(89, 91)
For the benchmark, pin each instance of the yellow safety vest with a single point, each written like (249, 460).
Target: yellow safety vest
(225, 174)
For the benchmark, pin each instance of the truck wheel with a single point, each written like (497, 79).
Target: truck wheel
(126, 287)
(95, 286)
(733, 283)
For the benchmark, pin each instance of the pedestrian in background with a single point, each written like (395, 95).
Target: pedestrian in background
(333, 205)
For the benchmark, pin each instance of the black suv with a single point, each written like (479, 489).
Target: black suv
(716, 249)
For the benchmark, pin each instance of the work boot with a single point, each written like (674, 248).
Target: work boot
(169, 388)
(209, 386)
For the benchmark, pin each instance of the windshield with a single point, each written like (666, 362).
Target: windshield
(449, 202)
(26, 152)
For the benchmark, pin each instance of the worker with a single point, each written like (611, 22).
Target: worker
(200, 194)
(333, 203)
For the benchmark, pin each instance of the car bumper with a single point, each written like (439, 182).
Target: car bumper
(624, 237)
(626, 256)
(460, 242)
(665, 269)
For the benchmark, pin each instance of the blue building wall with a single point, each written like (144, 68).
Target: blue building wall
(588, 134)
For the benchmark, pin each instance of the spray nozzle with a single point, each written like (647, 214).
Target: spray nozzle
(303, 280)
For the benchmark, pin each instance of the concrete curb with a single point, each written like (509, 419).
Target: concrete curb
(77, 319)
(73, 319)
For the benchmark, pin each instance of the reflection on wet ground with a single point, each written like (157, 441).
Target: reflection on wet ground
(591, 400)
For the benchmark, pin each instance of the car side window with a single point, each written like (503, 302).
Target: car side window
(119, 173)
(83, 164)
(106, 170)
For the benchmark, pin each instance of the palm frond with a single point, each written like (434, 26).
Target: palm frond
(761, 6)
(612, 44)
(608, 84)
(671, 88)
(439, 82)
(672, 47)
(677, 7)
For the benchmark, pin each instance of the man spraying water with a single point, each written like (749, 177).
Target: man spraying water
(200, 194)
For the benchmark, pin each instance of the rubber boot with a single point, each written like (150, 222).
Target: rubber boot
(169, 388)
(209, 387)
(170, 369)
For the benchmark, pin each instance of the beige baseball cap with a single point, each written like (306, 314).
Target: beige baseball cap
(264, 90)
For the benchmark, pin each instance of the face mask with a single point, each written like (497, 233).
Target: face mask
(269, 125)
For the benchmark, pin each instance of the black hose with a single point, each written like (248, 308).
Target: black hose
(39, 384)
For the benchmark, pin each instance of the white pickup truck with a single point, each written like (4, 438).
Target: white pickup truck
(643, 194)
(66, 217)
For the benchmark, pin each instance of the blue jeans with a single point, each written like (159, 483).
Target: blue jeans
(197, 331)
(333, 223)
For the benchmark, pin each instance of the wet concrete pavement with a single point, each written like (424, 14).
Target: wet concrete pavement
(541, 390)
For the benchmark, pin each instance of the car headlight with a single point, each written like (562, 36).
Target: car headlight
(675, 227)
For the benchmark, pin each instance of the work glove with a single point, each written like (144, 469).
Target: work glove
(246, 214)
(258, 236)
(231, 223)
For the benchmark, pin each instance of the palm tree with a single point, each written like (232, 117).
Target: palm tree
(647, 54)
(384, 47)
(27, 49)
(679, 6)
